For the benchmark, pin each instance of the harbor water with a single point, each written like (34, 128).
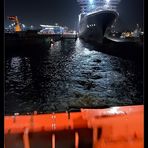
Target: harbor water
(70, 74)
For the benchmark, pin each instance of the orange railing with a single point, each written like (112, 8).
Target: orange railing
(116, 127)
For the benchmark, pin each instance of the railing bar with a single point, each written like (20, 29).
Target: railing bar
(94, 137)
(53, 140)
(26, 139)
(76, 140)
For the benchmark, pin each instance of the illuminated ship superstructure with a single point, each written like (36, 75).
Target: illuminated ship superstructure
(95, 17)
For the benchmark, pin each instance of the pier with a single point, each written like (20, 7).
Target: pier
(34, 39)
(34, 34)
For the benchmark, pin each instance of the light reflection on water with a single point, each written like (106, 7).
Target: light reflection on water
(69, 74)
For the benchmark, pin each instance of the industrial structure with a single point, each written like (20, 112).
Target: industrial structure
(16, 23)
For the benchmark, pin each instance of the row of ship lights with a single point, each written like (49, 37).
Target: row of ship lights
(92, 25)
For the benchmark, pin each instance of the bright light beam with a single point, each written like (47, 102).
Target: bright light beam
(91, 1)
(107, 1)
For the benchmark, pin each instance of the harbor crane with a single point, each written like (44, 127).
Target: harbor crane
(16, 21)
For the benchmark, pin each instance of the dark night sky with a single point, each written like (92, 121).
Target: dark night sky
(65, 12)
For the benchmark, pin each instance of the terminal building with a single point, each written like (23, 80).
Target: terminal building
(50, 29)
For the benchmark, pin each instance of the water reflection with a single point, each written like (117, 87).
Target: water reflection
(70, 74)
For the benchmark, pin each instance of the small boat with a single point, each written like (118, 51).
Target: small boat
(115, 127)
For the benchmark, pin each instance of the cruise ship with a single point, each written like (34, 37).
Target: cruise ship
(96, 17)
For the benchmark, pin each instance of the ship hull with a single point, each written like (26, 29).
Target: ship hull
(92, 27)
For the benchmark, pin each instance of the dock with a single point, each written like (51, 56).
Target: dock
(34, 39)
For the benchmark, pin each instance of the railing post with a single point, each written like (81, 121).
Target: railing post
(26, 138)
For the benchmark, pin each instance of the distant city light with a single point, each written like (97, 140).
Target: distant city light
(91, 1)
(23, 26)
(74, 32)
(31, 26)
(13, 24)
